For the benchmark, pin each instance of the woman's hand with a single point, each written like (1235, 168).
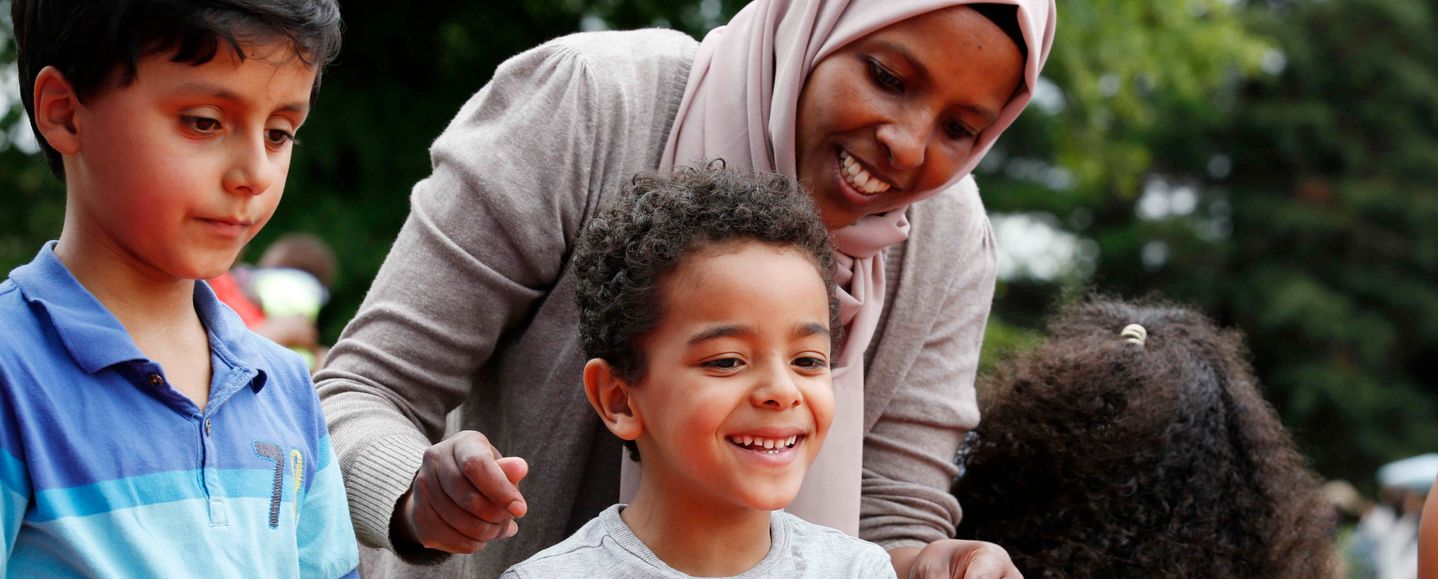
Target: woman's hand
(463, 496)
(954, 559)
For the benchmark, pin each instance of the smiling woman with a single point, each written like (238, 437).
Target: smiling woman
(890, 118)
(880, 107)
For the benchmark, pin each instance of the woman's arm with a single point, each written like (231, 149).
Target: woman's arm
(910, 451)
(486, 237)
(948, 270)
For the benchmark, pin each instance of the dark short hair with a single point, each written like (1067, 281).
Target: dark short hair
(305, 252)
(1098, 457)
(627, 251)
(88, 41)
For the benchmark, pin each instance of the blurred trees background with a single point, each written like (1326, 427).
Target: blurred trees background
(1274, 163)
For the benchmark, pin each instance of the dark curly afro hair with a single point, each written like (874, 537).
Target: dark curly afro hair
(625, 252)
(1099, 457)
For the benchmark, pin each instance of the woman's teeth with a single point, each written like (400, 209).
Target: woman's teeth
(769, 445)
(858, 178)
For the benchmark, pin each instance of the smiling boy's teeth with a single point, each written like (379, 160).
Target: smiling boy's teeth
(858, 177)
(771, 445)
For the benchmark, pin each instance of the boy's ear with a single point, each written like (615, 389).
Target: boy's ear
(609, 395)
(56, 103)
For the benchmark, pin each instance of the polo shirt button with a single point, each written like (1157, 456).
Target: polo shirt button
(207, 427)
(156, 380)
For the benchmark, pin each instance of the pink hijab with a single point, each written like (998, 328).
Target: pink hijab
(741, 104)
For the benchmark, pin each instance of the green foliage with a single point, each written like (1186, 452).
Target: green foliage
(1311, 154)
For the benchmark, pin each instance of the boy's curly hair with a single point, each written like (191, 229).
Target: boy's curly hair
(626, 251)
(1099, 457)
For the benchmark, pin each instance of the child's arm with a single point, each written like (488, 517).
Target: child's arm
(15, 489)
(326, 538)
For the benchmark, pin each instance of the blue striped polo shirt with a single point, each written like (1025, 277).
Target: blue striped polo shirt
(105, 470)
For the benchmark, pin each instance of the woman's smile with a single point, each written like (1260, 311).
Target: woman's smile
(890, 118)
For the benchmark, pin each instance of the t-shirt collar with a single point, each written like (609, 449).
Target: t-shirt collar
(95, 338)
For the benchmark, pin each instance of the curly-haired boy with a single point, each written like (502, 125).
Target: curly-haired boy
(707, 308)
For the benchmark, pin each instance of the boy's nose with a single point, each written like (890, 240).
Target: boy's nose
(776, 389)
(252, 170)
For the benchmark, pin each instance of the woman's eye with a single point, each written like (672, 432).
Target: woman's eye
(203, 125)
(722, 363)
(811, 362)
(959, 131)
(885, 79)
(279, 137)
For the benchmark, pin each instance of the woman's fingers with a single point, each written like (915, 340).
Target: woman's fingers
(457, 517)
(980, 560)
(955, 559)
(465, 495)
(490, 496)
(431, 530)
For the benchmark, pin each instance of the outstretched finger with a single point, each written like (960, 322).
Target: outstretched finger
(501, 498)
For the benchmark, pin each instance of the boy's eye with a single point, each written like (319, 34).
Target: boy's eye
(811, 362)
(279, 137)
(722, 363)
(886, 79)
(203, 125)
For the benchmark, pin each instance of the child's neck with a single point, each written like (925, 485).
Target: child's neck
(694, 534)
(157, 312)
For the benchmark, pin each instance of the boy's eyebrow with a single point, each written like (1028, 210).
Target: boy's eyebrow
(806, 329)
(223, 93)
(724, 331)
(802, 330)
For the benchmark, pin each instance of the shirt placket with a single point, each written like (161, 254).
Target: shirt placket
(230, 379)
(202, 423)
(210, 468)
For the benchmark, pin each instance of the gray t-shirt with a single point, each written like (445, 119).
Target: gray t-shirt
(605, 547)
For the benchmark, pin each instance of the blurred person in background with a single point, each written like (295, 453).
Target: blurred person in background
(1385, 544)
(1428, 538)
(1348, 508)
(281, 296)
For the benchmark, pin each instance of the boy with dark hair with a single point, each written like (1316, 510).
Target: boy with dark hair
(707, 306)
(143, 430)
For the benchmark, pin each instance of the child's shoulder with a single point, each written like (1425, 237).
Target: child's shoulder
(819, 551)
(23, 335)
(286, 386)
(595, 550)
(284, 368)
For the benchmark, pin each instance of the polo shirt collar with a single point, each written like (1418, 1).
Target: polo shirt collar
(229, 338)
(94, 337)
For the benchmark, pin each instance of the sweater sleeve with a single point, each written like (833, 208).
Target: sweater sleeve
(487, 236)
(909, 453)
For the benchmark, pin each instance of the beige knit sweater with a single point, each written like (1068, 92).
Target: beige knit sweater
(474, 309)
